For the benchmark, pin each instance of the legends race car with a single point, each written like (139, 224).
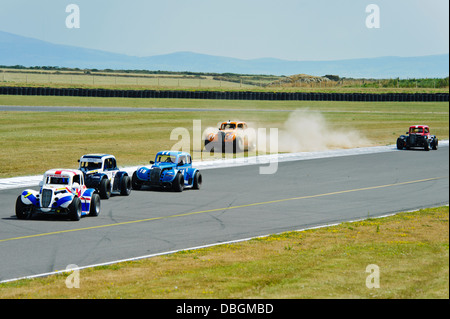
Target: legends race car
(101, 172)
(170, 170)
(231, 136)
(418, 136)
(62, 193)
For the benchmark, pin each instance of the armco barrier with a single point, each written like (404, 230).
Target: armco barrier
(233, 95)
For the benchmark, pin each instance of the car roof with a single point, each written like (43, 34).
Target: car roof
(63, 172)
(417, 126)
(96, 156)
(233, 122)
(172, 153)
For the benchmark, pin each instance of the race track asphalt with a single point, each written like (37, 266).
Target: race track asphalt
(234, 203)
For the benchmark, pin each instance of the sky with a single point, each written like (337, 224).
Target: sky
(247, 29)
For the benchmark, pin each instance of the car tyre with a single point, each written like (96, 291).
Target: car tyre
(75, 209)
(125, 187)
(94, 208)
(22, 211)
(105, 188)
(208, 147)
(178, 183)
(197, 180)
(238, 145)
(434, 144)
(135, 182)
(400, 144)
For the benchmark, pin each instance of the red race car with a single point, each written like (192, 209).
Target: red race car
(418, 136)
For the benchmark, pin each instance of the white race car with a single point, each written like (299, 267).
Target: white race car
(62, 193)
(101, 172)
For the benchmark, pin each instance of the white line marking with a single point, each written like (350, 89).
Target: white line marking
(191, 248)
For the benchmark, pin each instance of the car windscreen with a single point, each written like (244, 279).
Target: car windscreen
(166, 159)
(57, 180)
(91, 165)
(228, 126)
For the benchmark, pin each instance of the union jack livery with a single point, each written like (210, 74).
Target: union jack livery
(62, 193)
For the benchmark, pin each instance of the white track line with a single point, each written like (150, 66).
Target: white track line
(31, 181)
(185, 249)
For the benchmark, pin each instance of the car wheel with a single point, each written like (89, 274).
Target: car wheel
(426, 147)
(105, 188)
(125, 187)
(22, 211)
(238, 145)
(94, 208)
(400, 144)
(207, 148)
(135, 182)
(435, 144)
(75, 209)
(178, 183)
(197, 180)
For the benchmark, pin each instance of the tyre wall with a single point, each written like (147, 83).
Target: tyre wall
(235, 95)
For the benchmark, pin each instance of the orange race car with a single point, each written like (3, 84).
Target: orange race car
(232, 135)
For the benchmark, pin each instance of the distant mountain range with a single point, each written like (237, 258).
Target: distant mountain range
(19, 50)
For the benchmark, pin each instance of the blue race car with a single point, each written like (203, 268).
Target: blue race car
(170, 170)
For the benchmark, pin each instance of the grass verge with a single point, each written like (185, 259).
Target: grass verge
(32, 140)
(411, 250)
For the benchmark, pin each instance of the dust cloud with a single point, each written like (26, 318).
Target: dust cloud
(309, 131)
(305, 130)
